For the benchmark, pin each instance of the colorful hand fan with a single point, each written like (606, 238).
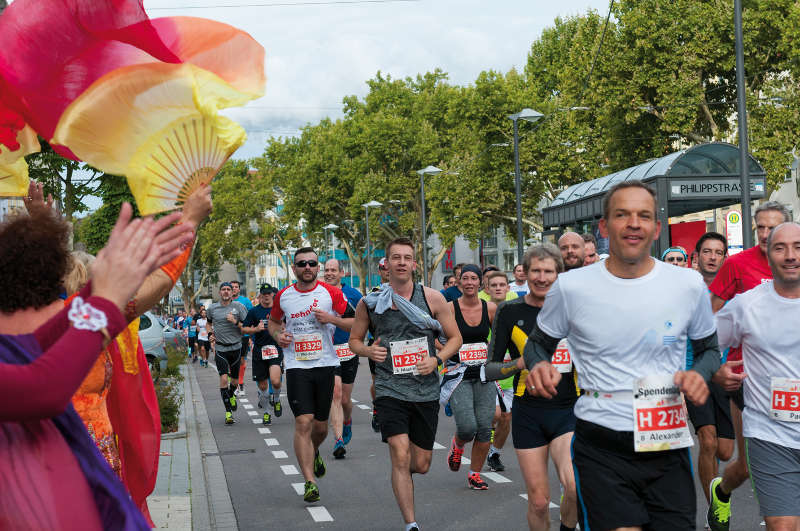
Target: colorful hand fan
(13, 168)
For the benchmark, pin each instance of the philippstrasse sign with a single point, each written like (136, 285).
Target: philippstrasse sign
(714, 187)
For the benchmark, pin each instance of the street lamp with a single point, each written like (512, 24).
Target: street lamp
(529, 115)
(330, 227)
(367, 206)
(430, 170)
(744, 162)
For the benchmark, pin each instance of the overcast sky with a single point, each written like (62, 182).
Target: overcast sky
(317, 54)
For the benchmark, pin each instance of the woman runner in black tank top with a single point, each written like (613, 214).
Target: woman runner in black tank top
(471, 401)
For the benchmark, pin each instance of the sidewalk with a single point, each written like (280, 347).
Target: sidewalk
(191, 491)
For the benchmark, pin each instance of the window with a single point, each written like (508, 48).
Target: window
(490, 241)
(144, 322)
(489, 259)
(509, 260)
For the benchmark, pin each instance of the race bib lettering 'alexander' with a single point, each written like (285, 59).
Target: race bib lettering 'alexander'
(406, 355)
(659, 414)
(785, 395)
(269, 352)
(473, 353)
(562, 360)
(343, 352)
(308, 347)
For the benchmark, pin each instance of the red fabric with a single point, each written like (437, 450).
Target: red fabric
(133, 410)
(739, 273)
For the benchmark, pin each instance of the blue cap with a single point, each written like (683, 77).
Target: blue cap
(226, 284)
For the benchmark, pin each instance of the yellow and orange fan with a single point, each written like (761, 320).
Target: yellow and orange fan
(13, 168)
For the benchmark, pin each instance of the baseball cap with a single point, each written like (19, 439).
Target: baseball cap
(263, 289)
(382, 263)
(226, 284)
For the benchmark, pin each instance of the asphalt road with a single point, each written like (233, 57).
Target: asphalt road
(266, 487)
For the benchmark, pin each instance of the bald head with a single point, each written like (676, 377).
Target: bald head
(783, 253)
(572, 250)
(333, 272)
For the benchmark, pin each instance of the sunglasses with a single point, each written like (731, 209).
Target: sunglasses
(675, 259)
(304, 263)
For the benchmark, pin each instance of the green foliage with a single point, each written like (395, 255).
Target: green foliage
(169, 390)
(95, 230)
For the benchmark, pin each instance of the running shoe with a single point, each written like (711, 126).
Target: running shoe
(267, 420)
(339, 450)
(242, 392)
(311, 494)
(232, 400)
(494, 463)
(277, 408)
(719, 512)
(347, 432)
(228, 417)
(194, 360)
(454, 457)
(319, 465)
(475, 482)
(376, 427)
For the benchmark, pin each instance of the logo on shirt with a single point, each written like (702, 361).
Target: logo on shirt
(305, 313)
(668, 340)
(668, 325)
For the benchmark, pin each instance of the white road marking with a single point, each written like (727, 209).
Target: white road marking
(363, 406)
(299, 488)
(320, 514)
(437, 446)
(353, 400)
(289, 470)
(253, 413)
(279, 454)
(525, 496)
(264, 431)
(271, 442)
(247, 406)
(497, 478)
(466, 460)
(256, 421)
(244, 400)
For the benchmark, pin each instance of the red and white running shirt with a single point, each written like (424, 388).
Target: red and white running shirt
(312, 341)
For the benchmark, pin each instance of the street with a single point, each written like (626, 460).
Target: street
(266, 487)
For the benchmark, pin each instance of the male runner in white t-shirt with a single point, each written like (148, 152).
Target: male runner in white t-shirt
(310, 310)
(627, 320)
(763, 321)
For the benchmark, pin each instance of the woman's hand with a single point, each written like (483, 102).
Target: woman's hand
(35, 198)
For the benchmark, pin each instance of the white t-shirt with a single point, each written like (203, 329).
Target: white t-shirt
(623, 329)
(202, 333)
(297, 307)
(766, 326)
(523, 289)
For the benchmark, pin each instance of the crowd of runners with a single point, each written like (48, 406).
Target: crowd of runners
(591, 361)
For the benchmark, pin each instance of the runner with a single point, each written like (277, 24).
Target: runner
(310, 359)
(267, 355)
(471, 400)
(202, 337)
(406, 318)
(627, 320)
(342, 405)
(224, 322)
(740, 273)
(589, 249)
(539, 426)
(190, 328)
(248, 304)
(520, 284)
(763, 321)
(675, 256)
(384, 272)
(484, 294)
(572, 250)
(453, 292)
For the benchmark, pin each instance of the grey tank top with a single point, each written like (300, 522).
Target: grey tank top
(390, 326)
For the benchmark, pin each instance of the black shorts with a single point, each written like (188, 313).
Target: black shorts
(371, 366)
(618, 487)
(416, 419)
(738, 397)
(203, 343)
(261, 367)
(228, 362)
(245, 346)
(310, 391)
(715, 412)
(348, 370)
(192, 342)
(533, 426)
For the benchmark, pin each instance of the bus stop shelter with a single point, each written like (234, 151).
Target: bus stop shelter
(695, 179)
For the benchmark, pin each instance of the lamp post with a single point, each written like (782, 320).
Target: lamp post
(430, 170)
(331, 227)
(744, 163)
(367, 206)
(529, 115)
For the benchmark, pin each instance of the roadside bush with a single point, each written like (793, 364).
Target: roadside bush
(175, 358)
(170, 397)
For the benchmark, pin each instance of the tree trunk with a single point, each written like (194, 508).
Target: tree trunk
(357, 265)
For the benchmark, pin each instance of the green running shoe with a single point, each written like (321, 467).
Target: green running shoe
(232, 400)
(311, 494)
(719, 512)
(228, 417)
(267, 419)
(319, 465)
(277, 408)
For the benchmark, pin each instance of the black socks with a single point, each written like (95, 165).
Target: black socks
(724, 498)
(225, 398)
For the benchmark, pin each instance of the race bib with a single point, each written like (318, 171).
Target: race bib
(308, 347)
(406, 355)
(269, 352)
(473, 353)
(562, 360)
(343, 352)
(659, 414)
(785, 399)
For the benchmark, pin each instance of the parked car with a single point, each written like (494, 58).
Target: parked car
(151, 333)
(173, 336)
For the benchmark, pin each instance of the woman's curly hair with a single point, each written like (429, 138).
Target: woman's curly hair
(33, 260)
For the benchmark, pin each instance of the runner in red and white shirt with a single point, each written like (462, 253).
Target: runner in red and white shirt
(740, 273)
(311, 310)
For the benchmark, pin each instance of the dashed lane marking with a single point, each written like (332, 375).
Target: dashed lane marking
(353, 400)
(497, 478)
(279, 454)
(437, 446)
(264, 431)
(299, 488)
(363, 406)
(252, 413)
(247, 406)
(271, 442)
(320, 514)
(256, 421)
(289, 470)
(244, 400)
(525, 497)
(466, 461)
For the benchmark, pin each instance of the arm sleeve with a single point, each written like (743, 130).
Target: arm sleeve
(706, 356)
(52, 330)
(498, 345)
(724, 284)
(63, 366)
(539, 347)
(729, 332)
(497, 370)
